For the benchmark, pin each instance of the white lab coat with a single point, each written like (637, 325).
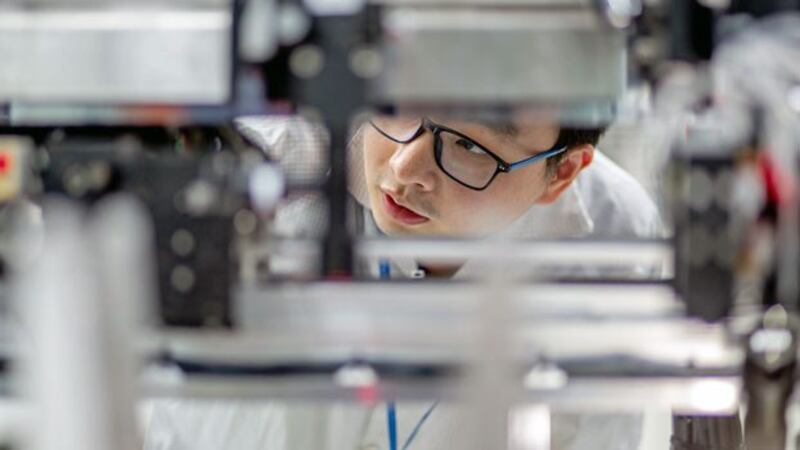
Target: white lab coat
(604, 201)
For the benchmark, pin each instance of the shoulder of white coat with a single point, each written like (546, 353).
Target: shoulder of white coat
(297, 145)
(616, 202)
(271, 133)
(300, 148)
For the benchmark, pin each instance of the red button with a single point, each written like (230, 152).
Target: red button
(5, 162)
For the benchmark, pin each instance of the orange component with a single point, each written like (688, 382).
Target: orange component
(157, 115)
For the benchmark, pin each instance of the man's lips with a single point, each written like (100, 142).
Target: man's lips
(401, 213)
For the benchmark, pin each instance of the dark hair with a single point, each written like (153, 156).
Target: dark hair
(573, 137)
(568, 136)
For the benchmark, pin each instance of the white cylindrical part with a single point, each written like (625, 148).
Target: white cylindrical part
(124, 245)
(61, 373)
(78, 304)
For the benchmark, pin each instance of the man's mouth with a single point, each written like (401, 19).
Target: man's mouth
(401, 213)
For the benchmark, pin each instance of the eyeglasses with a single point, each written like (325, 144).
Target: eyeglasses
(460, 157)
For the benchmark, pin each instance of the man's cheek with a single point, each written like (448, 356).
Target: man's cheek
(377, 154)
(373, 171)
(378, 169)
(488, 217)
(462, 216)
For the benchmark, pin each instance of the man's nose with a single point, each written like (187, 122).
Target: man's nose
(413, 163)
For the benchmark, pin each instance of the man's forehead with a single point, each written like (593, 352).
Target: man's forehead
(502, 120)
(527, 129)
(502, 127)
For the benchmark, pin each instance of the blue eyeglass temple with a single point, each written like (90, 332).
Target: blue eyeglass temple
(528, 161)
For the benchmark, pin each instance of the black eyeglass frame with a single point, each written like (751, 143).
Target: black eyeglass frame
(502, 165)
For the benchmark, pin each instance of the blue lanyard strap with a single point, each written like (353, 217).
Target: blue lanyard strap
(391, 410)
(391, 425)
(416, 429)
(385, 270)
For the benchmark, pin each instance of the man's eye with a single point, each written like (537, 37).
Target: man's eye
(468, 145)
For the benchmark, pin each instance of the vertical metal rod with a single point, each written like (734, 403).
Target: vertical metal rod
(129, 293)
(337, 93)
(491, 378)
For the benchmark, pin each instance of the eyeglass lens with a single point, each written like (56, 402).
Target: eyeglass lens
(464, 160)
(460, 158)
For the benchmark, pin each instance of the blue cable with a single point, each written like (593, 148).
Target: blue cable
(385, 271)
(391, 425)
(419, 425)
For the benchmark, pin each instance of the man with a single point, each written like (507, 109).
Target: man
(518, 179)
(438, 177)
(465, 178)
(509, 179)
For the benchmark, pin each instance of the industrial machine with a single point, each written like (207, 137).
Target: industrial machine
(141, 253)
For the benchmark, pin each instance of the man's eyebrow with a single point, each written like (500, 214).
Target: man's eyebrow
(503, 128)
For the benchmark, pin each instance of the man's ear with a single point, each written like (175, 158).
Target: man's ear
(576, 159)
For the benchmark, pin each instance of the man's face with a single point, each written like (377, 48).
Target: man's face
(409, 193)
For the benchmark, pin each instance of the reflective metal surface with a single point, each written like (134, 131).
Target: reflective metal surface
(117, 55)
